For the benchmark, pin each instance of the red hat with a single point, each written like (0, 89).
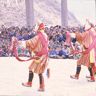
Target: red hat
(41, 26)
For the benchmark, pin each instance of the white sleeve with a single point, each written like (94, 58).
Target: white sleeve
(22, 44)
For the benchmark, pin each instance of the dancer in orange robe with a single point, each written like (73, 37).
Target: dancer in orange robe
(87, 59)
(39, 45)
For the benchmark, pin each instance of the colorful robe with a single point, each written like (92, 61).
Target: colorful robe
(86, 39)
(39, 45)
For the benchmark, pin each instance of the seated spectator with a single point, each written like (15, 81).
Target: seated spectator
(53, 53)
(73, 37)
(77, 47)
(4, 51)
(63, 52)
(0, 52)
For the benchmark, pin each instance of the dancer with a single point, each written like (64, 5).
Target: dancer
(88, 57)
(39, 45)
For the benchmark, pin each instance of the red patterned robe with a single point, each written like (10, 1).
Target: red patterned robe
(38, 45)
(86, 39)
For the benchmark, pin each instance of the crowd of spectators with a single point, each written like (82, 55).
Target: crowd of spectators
(57, 37)
(57, 41)
(6, 35)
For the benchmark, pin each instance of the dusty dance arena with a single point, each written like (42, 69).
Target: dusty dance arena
(13, 73)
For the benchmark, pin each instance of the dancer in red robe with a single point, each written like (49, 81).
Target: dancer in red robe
(88, 57)
(39, 45)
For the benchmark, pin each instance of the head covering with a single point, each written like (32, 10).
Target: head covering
(41, 26)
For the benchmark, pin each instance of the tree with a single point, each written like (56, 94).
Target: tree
(64, 13)
(29, 13)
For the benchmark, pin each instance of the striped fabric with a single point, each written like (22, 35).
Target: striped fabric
(86, 39)
(34, 44)
(38, 65)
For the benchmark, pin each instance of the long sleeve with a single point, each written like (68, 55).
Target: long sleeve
(34, 44)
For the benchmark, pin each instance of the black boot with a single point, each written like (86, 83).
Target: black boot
(92, 78)
(41, 82)
(29, 83)
(76, 76)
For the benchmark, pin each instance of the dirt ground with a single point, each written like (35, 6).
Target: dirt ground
(13, 73)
